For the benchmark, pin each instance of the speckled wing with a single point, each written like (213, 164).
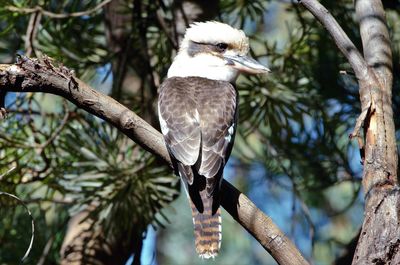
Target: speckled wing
(218, 117)
(180, 123)
(197, 117)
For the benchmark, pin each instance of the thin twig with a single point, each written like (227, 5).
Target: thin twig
(55, 133)
(57, 15)
(163, 25)
(31, 32)
(34, 112)
(56, 201)
(46, 250)
(7, 173)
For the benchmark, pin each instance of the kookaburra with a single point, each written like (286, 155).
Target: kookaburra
(198, 116)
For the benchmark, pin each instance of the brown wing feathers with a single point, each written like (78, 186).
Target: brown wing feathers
(197, 117)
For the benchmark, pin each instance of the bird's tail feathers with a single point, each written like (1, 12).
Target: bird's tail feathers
(207, 223)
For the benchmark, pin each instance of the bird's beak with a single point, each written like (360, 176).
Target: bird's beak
(246, 64)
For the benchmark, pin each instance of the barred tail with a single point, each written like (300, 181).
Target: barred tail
(207, 226)
(204, 201)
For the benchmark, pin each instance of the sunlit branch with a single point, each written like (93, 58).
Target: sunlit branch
(341, 39)
(41, 76)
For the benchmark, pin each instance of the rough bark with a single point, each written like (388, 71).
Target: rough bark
(379, 239)
(35, 76)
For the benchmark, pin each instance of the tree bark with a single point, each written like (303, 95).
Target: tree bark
(37, 76)
(379, 241)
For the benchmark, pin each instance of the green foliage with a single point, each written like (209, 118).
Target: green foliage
(292, 145)
(240, 12)
(297, 112)
(88, 161)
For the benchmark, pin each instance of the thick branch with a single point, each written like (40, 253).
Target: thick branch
(341, 39)
(34, 76)
(381, 150)
(379, 241)
(375, 39)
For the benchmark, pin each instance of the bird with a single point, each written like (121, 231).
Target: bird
(198, 112)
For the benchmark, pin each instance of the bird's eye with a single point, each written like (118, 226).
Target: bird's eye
(222, 46)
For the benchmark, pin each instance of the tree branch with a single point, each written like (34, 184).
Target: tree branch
(379, 242)
(41, 76)
(380, 132)
(374, 76)
(375, 39)
(341, 39)
(359, 65)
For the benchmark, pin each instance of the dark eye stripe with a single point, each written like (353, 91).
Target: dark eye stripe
(201, 47)
(197, 47)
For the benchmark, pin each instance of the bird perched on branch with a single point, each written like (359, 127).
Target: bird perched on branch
(198, 116)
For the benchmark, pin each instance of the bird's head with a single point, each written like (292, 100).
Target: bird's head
(214, 50)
